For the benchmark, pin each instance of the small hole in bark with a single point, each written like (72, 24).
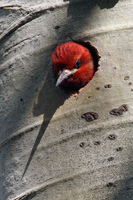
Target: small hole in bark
(110, 158)
(97, 143)
(97, 88)
(82, 144)
(90, 116)
(126, 78)
(119, 148)
(62, 131)
(112, 136)
(108, 86)
(119, 111)
(130, 83)
(111, 184)
(57, 27)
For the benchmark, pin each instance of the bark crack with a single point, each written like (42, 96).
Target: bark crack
(14, 7)
(32, 13)
(69, 177)
(18, 43)
(22, 21)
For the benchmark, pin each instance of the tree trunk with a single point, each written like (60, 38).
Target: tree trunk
(50, 149)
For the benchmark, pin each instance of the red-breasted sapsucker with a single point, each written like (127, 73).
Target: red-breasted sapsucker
(74, 65)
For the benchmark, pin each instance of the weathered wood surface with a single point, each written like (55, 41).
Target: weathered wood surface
(47, 150)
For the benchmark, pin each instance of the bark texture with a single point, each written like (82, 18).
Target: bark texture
(54, 146)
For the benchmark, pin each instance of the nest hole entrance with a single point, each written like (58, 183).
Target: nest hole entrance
(96, 57)
(93, 51)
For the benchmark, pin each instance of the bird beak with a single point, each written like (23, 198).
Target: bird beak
(65, 75)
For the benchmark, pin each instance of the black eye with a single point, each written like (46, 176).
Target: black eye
(77, 64)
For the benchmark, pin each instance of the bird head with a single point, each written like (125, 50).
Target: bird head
(74, 65)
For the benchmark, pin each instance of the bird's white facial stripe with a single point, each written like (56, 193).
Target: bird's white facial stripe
(64, 75)
(70, 72)
(67, 71)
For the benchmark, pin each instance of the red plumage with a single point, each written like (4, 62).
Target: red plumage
(77, 61)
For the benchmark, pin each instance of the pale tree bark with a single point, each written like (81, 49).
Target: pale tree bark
(48, 148)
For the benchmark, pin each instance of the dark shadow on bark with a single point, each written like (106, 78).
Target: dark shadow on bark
(50, 98)
(79, 16)
(91, 3)
(107, 3)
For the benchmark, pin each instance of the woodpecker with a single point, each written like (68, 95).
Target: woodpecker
(74, 64)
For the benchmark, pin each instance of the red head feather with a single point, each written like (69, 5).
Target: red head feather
(73, 64)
